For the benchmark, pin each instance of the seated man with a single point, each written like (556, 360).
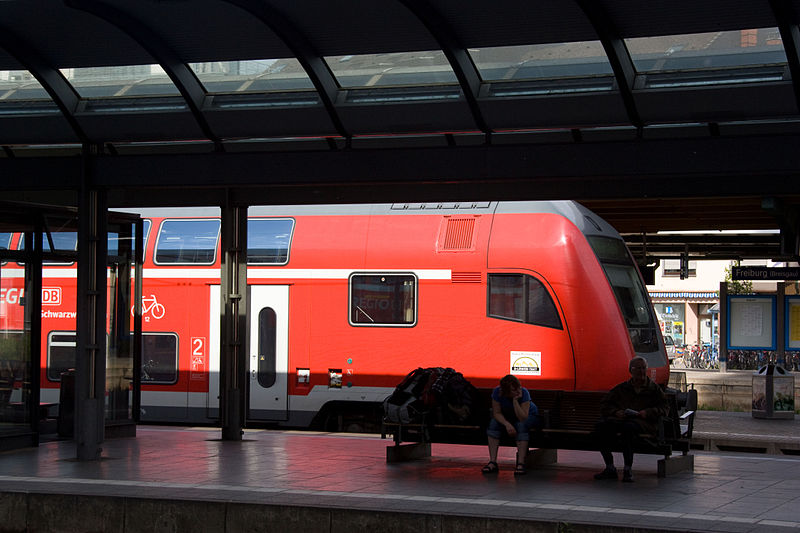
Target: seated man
(630, 408)
(514, 414)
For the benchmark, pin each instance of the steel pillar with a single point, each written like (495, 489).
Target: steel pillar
(233, 322)
(90, 356)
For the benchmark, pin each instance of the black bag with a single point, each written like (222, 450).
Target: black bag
(408, 402)
(463, 401)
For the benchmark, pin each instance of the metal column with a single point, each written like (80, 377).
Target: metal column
(233, 325)
(90, 357)
(723, 326)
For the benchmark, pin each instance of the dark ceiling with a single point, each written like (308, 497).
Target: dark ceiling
(661, 140)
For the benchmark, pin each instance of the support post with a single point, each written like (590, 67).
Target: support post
(90, 357)
(33, 320)
(233, 322)
(723, 326)
(781, 321)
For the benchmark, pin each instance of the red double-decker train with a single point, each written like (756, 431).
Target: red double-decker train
(345, 300)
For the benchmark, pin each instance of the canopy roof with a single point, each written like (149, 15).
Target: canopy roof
(691, 105)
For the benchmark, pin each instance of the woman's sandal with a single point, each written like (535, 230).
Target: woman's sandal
(519, 470)
(490, 468)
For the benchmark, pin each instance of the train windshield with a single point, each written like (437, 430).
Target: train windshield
(629, 291)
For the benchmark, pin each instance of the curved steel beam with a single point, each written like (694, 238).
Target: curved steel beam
(51, 79)
(180, 73)
(618, 56)
(314, 65)
(460, 60)
(790, 35)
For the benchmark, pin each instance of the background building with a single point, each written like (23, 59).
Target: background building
(688, 309)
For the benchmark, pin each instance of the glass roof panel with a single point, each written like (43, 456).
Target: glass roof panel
(542, 61)
(392, 69)
(120, 81)
(20, 85)
(703, 51)
(251, 76)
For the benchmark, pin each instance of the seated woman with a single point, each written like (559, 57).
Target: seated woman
(514, 414)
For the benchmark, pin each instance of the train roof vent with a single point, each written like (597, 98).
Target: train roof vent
(466, 277)
(457, 234)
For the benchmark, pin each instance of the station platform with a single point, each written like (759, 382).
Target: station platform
(187, 479)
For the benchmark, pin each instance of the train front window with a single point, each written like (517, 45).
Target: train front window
(383, 299)
(628, 290)
(522, 298)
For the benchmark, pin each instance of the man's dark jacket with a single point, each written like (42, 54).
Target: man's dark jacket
(650, 398)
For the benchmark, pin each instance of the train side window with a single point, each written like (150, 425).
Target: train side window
(61, 347)
(113, 238)
(159, 358)
(506, 296)
(267, 320)
(187, 242)
(268, 240)
(383, 300)
(63, 241)
(522, 298)
(5, 243)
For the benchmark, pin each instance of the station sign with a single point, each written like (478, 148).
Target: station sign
(762, 273)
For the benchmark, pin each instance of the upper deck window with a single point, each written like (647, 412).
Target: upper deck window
(268, 240)
(146, 224)
(114, 238)
(383, 299)
(65, 242)
(5, 241)
(187, 242)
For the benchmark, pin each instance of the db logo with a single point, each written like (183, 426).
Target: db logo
(51, 295)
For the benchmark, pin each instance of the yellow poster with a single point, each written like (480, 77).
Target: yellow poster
(794, 325)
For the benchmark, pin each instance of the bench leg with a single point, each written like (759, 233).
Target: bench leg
(541, 456)
(407, 452)
(673, 464)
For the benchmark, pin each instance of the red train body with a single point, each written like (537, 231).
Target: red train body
(345, 300)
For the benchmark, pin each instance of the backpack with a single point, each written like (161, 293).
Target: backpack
(463, 401)
(409, 400)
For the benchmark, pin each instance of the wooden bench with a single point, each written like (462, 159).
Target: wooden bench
(569, 418)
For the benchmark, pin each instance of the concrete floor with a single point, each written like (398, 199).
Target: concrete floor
(187, 479)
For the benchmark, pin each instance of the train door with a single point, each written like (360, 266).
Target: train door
(268, 353)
